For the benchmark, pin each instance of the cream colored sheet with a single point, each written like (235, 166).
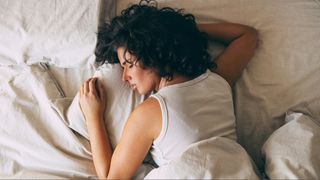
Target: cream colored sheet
(292, 151)
(34, 141)
(33, 137)
(213, 158)
(57, 31)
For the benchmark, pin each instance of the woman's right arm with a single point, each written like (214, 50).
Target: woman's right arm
(142, 127)
(241, 41)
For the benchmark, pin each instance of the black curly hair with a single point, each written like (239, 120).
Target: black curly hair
(165, 39)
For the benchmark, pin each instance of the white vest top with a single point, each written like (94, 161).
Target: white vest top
(193, 111)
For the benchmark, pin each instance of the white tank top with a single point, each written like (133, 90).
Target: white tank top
(193, 111)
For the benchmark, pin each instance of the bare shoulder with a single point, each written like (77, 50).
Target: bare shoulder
(142, 127)
(149, 115)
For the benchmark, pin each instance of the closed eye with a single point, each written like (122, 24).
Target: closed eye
(130, 63)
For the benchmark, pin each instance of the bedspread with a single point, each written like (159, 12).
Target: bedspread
(33, 137)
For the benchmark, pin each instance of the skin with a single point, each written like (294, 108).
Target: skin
(123, 162)
(142, 80)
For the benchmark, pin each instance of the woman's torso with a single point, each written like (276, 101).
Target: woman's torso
(193, 111)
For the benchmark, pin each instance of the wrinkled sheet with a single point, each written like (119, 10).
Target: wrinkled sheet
(58, 31)
(292, 151)
(34, 141)
(214, 158)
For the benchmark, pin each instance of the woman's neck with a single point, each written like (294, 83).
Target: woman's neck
(176, 79)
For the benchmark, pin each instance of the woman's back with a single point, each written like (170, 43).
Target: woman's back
(192, 111)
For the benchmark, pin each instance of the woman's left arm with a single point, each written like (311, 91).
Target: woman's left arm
(241, 43)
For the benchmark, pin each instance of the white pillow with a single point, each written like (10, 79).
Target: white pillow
(292, 151)
(121, 100)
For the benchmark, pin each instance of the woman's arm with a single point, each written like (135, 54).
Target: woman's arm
(93, 102)
(241, 41)
(142, 127)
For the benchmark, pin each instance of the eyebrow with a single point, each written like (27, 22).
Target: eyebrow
(128, 61)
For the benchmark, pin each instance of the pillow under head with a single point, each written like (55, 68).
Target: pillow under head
(121, 100)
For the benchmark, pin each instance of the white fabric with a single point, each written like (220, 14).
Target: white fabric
(121, 100)
(284, 71)
(213, 158)
(292, 151)
(34, 141)
(193, 111)
(62, 32)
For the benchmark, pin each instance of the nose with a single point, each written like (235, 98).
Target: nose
(125, 75)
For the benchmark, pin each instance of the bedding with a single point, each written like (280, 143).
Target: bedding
(292, 151)
(121, 102)
(213, 158)
(34, 141)
(60, 32)
(46, 52)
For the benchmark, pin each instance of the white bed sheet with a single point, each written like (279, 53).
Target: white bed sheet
(292, 151)
(213, 158)
(58, 31)
(33, 137)
(34, 141)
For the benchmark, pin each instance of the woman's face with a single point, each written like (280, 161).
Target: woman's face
(143, 80)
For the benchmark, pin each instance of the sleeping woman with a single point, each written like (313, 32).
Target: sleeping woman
(164, 54)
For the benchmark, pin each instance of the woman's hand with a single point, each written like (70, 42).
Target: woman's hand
(93, 104)
(92, 99)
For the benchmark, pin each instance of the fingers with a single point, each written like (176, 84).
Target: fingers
(85, 87)
(81, 91)
(92, 85)
(101, 90)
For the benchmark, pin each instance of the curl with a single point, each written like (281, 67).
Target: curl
(165, 39)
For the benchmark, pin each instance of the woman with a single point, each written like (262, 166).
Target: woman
(164, 53)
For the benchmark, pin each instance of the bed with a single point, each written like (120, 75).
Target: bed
(47, 51)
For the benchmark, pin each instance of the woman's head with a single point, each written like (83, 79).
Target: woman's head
(144, 80)
(164, 40)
